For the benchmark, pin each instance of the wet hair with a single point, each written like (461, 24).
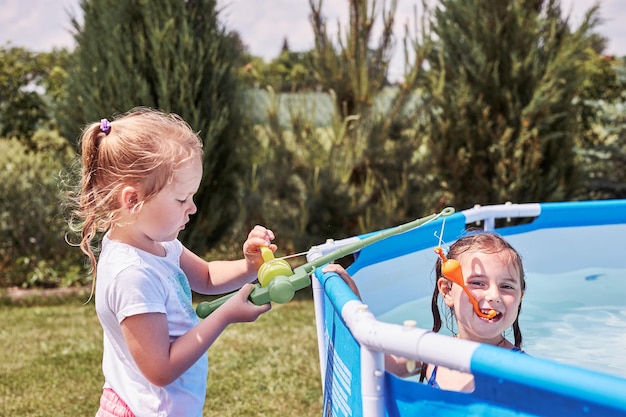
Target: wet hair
(143, 149)
(475, 241)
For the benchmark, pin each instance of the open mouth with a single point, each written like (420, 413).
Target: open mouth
(486, 312)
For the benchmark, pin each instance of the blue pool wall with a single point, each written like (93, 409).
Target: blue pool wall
(562, 236)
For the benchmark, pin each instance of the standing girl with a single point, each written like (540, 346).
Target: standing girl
(140, 173)
(494, 274)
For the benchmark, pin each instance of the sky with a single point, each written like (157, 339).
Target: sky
(41, 25)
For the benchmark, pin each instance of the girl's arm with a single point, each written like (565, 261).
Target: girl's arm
(399, 366)
(339, 270)
(393, 364)
(147, 335)
(217, 277)
(160, 361)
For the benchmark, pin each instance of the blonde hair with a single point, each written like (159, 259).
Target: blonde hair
(142, 148)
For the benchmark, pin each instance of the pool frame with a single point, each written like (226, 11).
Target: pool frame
(557, 237)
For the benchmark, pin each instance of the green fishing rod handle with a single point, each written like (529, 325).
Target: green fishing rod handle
(281, 289)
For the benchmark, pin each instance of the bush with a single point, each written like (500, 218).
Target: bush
(33, 250)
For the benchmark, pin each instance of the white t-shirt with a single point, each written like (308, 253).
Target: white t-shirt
(131, 281)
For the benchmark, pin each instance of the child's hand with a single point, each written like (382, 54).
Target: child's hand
(339, 270)
(240, 309)
(259, 236)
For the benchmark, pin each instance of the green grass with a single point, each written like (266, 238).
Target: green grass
(50, 363)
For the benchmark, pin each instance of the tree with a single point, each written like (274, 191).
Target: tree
(26, 78)
(175, 56)
(288, 72)
(355, 175)
(351, 66)
(378, 151)
(604, 159)
(506, 88)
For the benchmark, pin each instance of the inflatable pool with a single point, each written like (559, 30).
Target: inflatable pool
(553, 238)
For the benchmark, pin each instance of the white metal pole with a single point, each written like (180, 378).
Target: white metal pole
(320, 324)
(372, 382)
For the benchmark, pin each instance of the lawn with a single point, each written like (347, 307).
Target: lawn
(51, 355)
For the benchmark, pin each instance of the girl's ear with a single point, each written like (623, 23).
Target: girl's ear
(445, 289)
(129, 198)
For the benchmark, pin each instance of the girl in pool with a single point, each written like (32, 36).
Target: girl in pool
(140, 173)
(494, 274)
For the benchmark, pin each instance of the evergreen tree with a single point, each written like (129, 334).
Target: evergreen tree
(604, 160)
(175, 56)
(505, 119)
(374, 157)
(351, 66)
(285, 48)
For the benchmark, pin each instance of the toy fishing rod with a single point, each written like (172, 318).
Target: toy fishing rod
(278, 283)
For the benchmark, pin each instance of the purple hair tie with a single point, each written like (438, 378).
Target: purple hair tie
(105, 126)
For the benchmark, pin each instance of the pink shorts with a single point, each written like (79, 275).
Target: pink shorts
(111, 405)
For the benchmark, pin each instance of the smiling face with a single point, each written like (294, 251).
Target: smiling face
(496, 283)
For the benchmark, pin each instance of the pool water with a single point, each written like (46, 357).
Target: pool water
(577, 318)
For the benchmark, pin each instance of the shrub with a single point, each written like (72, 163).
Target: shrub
(33, 251)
